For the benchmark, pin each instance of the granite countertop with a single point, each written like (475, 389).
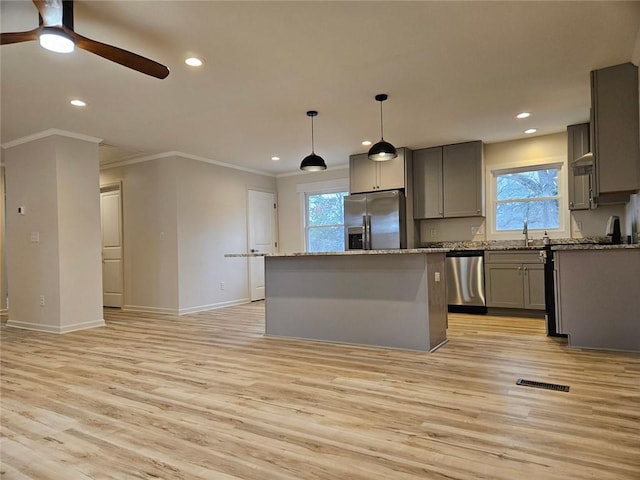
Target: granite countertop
(348, 252)
(591, 243)
(624, 246)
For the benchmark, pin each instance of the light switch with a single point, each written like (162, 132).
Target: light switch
(35, 237)
(22, 210)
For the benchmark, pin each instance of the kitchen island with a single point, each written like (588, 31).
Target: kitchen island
(387, 298)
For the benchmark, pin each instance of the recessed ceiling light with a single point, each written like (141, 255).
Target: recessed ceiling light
(366, 143)
(530, 130)
(523, 115)
(76, 102)
(193, 62)
(275, 159)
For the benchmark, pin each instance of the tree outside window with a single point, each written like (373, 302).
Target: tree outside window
(530, 195)
(325, 222)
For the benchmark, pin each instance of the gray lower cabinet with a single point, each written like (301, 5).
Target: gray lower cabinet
(448, 181)
(514, 280)
(579, 185)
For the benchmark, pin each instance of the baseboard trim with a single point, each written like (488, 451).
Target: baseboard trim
(145, 309)
(212, 306)
(55, 329)
(184, 311)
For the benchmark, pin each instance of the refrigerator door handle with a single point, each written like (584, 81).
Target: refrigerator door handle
(366, 232)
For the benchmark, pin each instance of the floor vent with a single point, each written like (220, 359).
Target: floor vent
(548, 386)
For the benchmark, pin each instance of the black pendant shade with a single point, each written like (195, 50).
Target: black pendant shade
(382, 151)
(312, 162)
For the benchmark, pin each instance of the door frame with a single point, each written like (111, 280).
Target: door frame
(111, 187)
(275, 228)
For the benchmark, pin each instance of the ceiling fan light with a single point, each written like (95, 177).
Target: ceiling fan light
(313, 163)
(382, 151)
(56, 40)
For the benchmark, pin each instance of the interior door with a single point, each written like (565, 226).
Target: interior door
(262, 237)
(111, 216)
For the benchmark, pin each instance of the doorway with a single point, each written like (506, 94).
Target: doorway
(112, 271)
(262, 237)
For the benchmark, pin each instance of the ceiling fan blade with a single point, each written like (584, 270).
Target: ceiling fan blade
(123, 57)
(17, 37)
(50, 11)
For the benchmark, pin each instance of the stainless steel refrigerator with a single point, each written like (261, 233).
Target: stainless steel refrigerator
(375, 221)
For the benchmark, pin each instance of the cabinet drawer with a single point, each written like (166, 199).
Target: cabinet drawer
(501, 256)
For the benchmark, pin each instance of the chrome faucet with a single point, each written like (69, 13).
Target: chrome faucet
(525, 232)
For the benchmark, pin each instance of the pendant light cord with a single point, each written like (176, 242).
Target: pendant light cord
(381, 127)
(312, 141)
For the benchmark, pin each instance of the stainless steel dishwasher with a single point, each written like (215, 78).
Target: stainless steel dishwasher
(465, 281)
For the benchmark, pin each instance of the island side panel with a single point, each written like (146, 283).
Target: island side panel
(599, 298)
(361, 299)
(437, 299)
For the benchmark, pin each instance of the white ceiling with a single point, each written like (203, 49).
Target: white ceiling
(454, 71)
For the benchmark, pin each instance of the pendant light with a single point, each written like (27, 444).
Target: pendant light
(382, 151)
(313, 162)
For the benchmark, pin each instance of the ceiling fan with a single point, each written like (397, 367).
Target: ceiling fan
(56, 25)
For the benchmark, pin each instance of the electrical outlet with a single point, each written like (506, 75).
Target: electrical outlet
(436, 277)
(221, 285)
(474, 230)
(433, 233)
(42, 300)
(578, 226)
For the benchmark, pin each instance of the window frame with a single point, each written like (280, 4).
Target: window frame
(516, 167)
(317, 188)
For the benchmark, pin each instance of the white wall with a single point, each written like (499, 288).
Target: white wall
(180, 216)
(32, 268)
(290, 205)
(79, 232)
(55, 179)
(149, 212)
(212, 221)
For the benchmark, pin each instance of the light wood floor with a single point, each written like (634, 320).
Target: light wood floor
(206, 396)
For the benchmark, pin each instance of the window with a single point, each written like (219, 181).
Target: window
(324, 226)
(529, 193)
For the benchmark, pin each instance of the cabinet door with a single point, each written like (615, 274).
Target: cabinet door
(363, 174)
(614, 97)
(391, 173)
(578, 145)
(533, 286)
(503, 283)
(462, 179)
(427, 183)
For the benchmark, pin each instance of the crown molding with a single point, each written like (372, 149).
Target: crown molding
(158, 156)
(50, 133)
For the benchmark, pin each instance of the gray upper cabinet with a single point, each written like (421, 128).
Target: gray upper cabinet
(614, 104)
(462, 179)
(427, 177)
(448, 181)
(579, 185)
(368, 176)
